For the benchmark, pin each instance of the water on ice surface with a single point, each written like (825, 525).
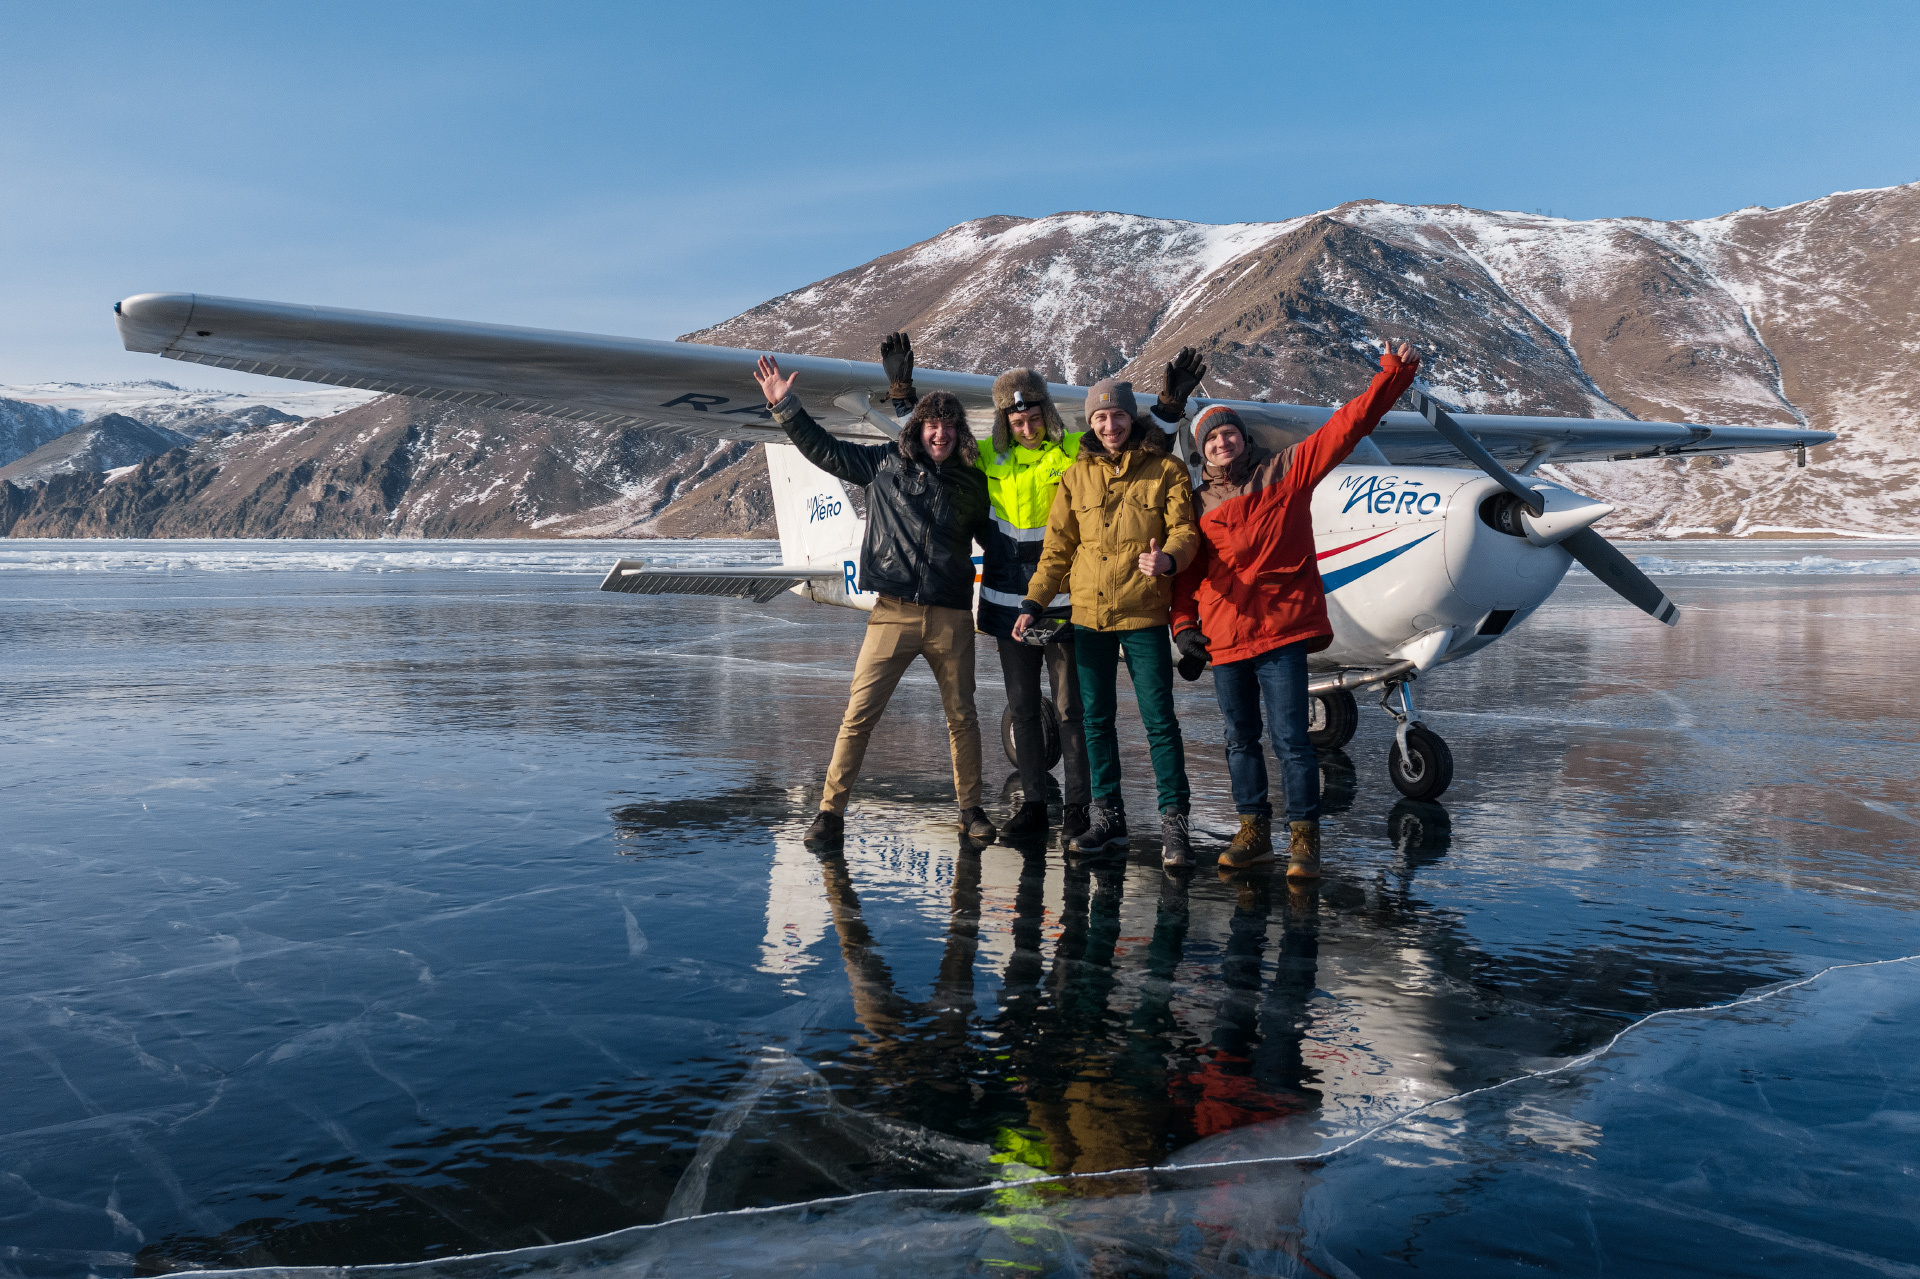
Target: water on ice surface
(372, 910)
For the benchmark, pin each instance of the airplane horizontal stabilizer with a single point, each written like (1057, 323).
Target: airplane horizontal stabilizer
(759, 583)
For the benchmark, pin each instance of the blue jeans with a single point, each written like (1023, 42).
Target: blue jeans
(1279, 678)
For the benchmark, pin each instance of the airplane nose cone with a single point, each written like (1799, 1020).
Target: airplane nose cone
(151, 322)
(1566, 514)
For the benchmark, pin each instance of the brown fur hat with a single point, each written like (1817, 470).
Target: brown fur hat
(1022, 386)
(945, 406)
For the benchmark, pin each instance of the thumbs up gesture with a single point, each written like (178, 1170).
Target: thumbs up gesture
(1155, 562)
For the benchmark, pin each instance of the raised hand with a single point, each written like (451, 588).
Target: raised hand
(896, 357)
(1183, 375)
(1184, 372)
(1405, 355)
(772, 385)
(1155, 562)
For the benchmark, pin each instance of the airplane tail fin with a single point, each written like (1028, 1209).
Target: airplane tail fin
(810, 508)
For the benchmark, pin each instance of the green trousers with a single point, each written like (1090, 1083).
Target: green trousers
(1149, 657)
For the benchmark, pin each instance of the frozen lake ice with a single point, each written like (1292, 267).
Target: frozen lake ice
(397, 902)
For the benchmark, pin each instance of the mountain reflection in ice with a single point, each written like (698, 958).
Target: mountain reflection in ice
(408, 910)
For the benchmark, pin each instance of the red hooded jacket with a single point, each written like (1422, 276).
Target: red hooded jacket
(1254, 586)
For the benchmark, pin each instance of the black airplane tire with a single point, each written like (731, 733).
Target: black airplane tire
(1429, 771)
(1049, 733)
(1331, 719)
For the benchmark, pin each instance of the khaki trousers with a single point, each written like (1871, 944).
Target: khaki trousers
(897, 633)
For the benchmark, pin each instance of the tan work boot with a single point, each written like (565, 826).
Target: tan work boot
(1303, 851)
(1252, 844)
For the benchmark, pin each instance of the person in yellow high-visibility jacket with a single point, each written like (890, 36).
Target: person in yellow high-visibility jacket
(1030, 449)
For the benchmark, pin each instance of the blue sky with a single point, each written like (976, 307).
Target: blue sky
(646, 170)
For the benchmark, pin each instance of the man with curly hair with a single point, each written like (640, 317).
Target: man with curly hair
(926, 503)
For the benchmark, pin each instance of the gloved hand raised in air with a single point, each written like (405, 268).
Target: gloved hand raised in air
(1184, 372)
(896, 357)
(1193, 652)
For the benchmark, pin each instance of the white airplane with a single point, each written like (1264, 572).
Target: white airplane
(1425, 562)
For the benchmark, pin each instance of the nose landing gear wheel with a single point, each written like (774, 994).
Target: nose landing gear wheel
(1331, 719)
(1426, 769)
(1049, 734)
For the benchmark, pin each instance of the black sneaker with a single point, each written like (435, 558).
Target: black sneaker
(1107, 832)
(1031, 819)
(1176, 841)
(974, 825)
(828, 828)
(1073, 822)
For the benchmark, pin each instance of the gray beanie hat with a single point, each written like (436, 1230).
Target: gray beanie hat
(1111, 393)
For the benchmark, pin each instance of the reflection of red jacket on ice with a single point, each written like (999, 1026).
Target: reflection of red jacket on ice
(1230, 1098)
(1254, 586)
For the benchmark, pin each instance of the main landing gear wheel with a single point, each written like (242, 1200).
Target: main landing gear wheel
(1331, 719)
(1425, 769)
(1049, 734)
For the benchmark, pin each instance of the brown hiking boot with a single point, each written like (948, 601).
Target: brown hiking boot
(1303, 851)
(1252, 845)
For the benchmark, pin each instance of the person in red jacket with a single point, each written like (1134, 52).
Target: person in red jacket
(1251, 603)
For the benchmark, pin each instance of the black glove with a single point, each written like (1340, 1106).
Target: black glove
(1193, 653)
(896, 357)
(1184, 372)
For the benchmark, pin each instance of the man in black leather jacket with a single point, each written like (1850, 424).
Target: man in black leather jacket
(926, 502)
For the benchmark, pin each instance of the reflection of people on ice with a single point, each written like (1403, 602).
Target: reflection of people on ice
(1076, 1083)
(1255, 1071)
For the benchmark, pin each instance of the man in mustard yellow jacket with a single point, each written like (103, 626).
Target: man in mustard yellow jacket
(1121, 526)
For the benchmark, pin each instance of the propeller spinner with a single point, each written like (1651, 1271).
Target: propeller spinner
(1592, 550)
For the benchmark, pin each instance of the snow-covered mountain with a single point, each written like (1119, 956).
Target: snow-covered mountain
(193, 413)
(103, 444)
(1762, 316)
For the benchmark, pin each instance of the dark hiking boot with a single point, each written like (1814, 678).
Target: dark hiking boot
(1031, 819)
(1303, 851)
(1106, 831)
(827, 829)
(1073, 823)
(1176, 840)
(1252, 844)
(974, 825)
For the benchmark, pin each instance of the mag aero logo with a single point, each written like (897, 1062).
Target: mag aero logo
(822, 506)
(1387, 495)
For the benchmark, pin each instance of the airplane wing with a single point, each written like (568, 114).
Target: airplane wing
(693, 389)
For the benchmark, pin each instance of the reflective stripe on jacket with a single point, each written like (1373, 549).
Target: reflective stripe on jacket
(1020, 487)
(1106, 510)
(1254, 585)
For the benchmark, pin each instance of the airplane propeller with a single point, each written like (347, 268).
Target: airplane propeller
(1538, 524)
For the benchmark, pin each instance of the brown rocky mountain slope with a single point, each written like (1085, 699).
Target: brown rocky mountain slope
(412, 468)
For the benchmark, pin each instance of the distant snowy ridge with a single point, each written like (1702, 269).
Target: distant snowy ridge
(163, 404)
